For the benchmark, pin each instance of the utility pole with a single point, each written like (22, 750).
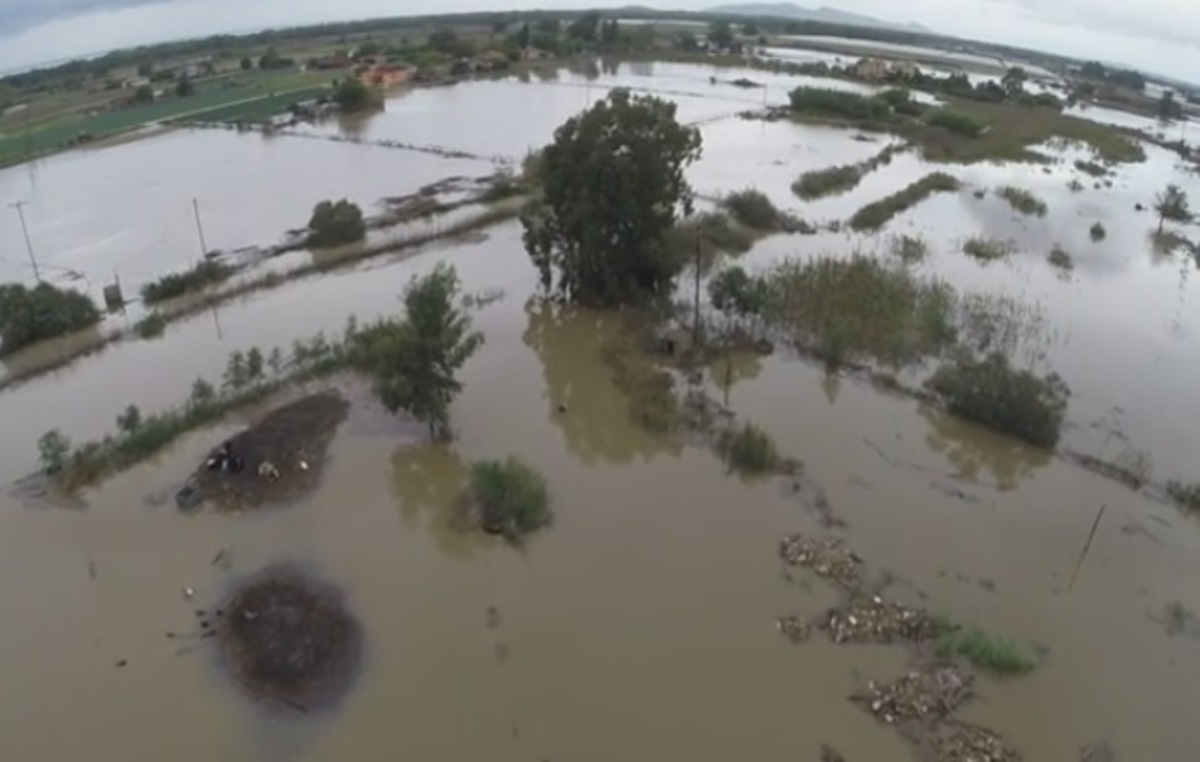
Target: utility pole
(19, 206)
(199, 229)
(696, 310)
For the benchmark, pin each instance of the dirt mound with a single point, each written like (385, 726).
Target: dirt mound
(962, 742)
(278, 458)
(926, 695)
(289, 638)
(827, 557)
(877, 621)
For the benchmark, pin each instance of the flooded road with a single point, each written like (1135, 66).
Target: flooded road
(644, 619)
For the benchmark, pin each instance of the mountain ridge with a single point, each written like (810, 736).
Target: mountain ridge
(824, 14)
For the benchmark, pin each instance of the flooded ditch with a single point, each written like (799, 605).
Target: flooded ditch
(648, 616)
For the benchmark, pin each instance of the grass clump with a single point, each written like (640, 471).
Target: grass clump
(909, 249)
(828, 182)
(1061, 259)
(1098, 232)
(997, 655)
(1091, 168)
(750, 450)
(1023, 201)
(1185, 496)
(840, 308)
(993, 394)
(754, 210)
(511, 496)
(206, 273)
(987, 249)
(956, 122)
(818, 101)
(152, 326)
(875, 215)
(715, 232)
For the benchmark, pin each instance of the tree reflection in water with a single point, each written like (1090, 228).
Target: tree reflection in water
(974, 450)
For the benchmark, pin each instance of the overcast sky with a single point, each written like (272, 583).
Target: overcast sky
(1155, 35)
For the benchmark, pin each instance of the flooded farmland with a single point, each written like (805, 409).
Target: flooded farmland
(645, 619)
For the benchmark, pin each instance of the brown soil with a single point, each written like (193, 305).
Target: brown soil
(289, 638)
(282, 455)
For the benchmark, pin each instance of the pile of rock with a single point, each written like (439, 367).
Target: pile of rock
(797, 628)
(925, 695)
(877, 621)
(828, 557)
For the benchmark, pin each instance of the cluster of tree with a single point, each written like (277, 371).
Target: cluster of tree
(29, 315)
(413, 363)
(1096, 71)
(1169, 109)
(272, 60)
(613, 186)
(722, 37)
(336, 223)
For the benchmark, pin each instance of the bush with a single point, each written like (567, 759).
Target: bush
(826, 102)
(1061, 259)
(993, 394)
(751, 450)
(827, 182)
(714, 232)
(53, 449)
(44, 312)
(1091, 168)
(987, 249)
(1001, 656)
(876, 215)
(203, 274)
(511, 496)
(1185, 496)
(909, 249)
(336, 223)
(956, 122)
(1098, 233)
(754, 210)
(152, 326)
(1023, 201)
(352, 95)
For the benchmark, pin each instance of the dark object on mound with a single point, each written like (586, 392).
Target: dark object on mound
(289, 638)
(188, 498)
(278, 458)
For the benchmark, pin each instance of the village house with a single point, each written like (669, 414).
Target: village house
(384, 75)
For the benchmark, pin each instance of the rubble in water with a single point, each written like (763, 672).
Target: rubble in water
(962, 742)
(797, 628)
(828, 557)
(926, 695)
(877, 621)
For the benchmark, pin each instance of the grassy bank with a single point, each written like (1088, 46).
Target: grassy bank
(1023, 201)
(842, 179)
(203, 274)
(875, 215)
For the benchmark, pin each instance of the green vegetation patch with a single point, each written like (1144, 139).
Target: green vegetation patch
(1185, 496)
(840, 308)
(825, 102)
(1091, 168)
(875, 215)
(750, 450)
(334, 223)
(956, 122)
(1061, 259)
(512, 498)
(828, 182)
(1023, 201)
(203, 274)
(1098, 232)
(987, 652)
(993, 394)
(987, 249)
(30, 315)
(753, 209)
(152, 326)
(909, 249)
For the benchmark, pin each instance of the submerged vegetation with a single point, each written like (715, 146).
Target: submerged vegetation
(1023, 201)
(985, 651)
(1185, 496)
(987, 249)
(207, 272)
(511, 497)
(834, 180)
(992, 393)
(875, 215)
(1061, 259)
(956, 122)
(750, 450)
(909, 249)
(336, 223)
(1098, 232)
(30, 315)
(754, 210)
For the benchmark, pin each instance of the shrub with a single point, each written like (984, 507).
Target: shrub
(875, 215)
(825, 102)
(754, 210)
(909, 249)
(511, 496)
(1061, 259)
(750, 450)
(1098, 233)
(53, 449)
(30, 315)
(1185, 496)
(997, 655)
(205, 273)
(827, 182)
(152, 326)
(336, 223)
(714, 232)
(956, 122)
(1091, 168)
(987, 249)
(352, 95)
(1023, 201)
(993, 394)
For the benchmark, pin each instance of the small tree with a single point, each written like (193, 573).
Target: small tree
(1172, 204)
(1168, 108)
(352, 95)
(1013, 82)
(613, 182)
(524, 36)
(414, 363)
(511, 496)
(129, 421)
(254, 365)
(247, 64)
(333, 224)
(185, 88)
(144, 94)
(53, 449)
(145, 68)
(585, 28)
(235, 371)
(275, 362)
(721, 35)
(30, 315)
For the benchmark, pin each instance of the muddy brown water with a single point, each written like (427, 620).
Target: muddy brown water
(645, 618)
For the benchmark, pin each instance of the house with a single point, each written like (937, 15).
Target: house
(384, 75)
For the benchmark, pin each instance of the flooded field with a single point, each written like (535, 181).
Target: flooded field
(645, 618)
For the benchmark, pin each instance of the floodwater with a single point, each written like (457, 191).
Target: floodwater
(643, 620)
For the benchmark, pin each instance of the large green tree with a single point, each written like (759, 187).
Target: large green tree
(29, 315)
(414, 363)
(1172, 204)
(613, 185)
(336, 223)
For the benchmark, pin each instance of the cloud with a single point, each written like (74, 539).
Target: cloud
(20, 15)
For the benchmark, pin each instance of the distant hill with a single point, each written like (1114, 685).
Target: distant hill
(823, 14)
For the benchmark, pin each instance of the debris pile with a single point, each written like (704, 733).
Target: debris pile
(828, 557)
(877, 621)
(797, 628)
(926, 695)
(962, 742)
